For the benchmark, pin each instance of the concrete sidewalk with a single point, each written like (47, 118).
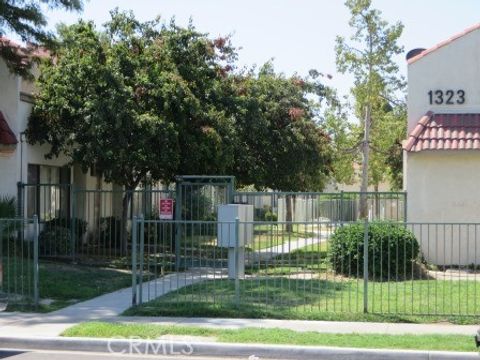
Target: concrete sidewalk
(53, 325)
(108, 307)
(332, 327)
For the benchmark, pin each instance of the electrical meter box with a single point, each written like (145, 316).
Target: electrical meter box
(226, 225)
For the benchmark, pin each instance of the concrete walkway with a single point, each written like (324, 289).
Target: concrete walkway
(103, 307)
(285, 248)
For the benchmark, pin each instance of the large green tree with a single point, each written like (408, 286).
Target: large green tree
(369, 57)
(280, 145)
(26, 19)
(133, 100)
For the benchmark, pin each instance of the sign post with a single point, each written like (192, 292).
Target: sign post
(166, 209)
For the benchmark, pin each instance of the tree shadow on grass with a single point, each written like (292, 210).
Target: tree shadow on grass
(260, 297)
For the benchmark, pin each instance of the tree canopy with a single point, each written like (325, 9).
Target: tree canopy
(134, 99)
(369, 57)
(144, 98)
(280, 145)
(26, 19)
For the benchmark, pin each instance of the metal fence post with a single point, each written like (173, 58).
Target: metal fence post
(134, 261)
(405, 195)
(36, 295)
(142, 253)
(341, 208)
(178, 225)
(237, 259)
(73, 221)
(365, 266)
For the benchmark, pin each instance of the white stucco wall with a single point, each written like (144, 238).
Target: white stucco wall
(443, 188)
(455, 66)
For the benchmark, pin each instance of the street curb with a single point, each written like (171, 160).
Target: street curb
(167, 347)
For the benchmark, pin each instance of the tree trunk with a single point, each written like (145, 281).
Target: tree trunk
(289, 214)
(124, 224)
(365, 158)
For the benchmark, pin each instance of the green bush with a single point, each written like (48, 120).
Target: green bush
(7, 207)
(270, 216)
(10, 244)
(80, 225)
(55, 241)
(392, 250)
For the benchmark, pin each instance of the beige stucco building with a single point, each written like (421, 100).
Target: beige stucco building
(442, 151)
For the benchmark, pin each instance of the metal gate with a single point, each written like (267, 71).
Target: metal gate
(197, 199)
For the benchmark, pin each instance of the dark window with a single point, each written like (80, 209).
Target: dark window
(48, 191)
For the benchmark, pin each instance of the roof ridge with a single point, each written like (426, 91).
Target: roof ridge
(444, 43)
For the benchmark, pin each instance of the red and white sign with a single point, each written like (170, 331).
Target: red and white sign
(166, 209)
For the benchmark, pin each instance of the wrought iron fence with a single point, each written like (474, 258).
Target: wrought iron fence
(88, 225)
(307, 268)
(19, 272)
(101, 222)
(314, 206)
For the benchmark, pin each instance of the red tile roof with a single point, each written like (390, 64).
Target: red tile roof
(445, 42)
(445, 132)
(28, 50)
(7, 137)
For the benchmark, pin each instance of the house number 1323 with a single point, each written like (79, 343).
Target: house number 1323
(447, 97)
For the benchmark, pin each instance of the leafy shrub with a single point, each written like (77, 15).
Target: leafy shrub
(7, 207)
(392, 250)
(80, 225)
(55, 241)
(8, 229)
(271, 216)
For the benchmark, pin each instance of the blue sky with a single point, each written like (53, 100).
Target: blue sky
(298, 34)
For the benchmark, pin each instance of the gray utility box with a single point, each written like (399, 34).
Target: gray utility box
(227, 235)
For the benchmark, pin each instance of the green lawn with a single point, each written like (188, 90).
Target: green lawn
(265, 236)
(66, 284)
(311, 258)
(317, 299)
(271, 235)
(278, 336)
